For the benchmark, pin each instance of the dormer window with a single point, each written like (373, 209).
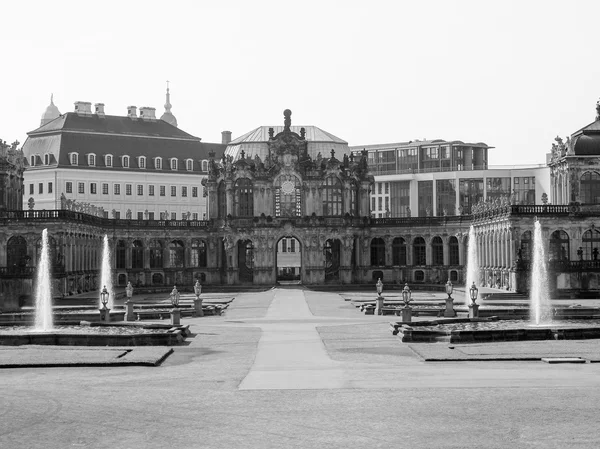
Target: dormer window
(205, 165)
(32, 161)
(142, 161)
(46, 159)
(108, 160)
(74, 158)
(189, 164)
(158, 163)
(173, 164)
(91, 160)
(125, 161)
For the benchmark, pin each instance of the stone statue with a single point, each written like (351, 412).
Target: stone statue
(129, 290)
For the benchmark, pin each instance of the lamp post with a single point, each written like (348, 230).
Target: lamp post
(473, 307)
(449, 312)
(379, 300)
(406, 298)
(198, 301)
(175, 312)
(104, 311)
(129, 303)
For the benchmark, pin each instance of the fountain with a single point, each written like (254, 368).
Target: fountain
(43, 295)
(541, 312)
(106, 275)
(472, 265)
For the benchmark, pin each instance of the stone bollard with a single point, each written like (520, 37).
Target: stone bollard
(473, 310)
(406, 313)
(129, 311)
(105, 315)
(379, 305)
(175, 317)
(198, 307)
(449, 312)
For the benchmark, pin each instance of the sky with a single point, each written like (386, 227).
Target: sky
(512, 74)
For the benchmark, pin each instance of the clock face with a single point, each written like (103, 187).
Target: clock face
(287, 187)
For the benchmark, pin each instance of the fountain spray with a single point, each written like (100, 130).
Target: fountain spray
(43, 295)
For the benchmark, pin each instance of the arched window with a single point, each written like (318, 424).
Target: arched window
(353, 199)
(176, 251)
(16, 253)
(173, 164)
(198, 254)
(243, 198)
(453, 254)
(55, 258)
(46, 159)
(591, 241)
(189, 164)
(158, 163)
(559, 246)
(222, 199)
(125, 161)
(419, 251)
(399, 251)
(137, 255)
(74, 158)
(437, 251)
(156, 254)
(526, 246)
(91, 160)
(332, 197)
(204, 165)
(108, 160)
(121, 251)
(590, 188)
(288, 197)
(142, 162)
(32, 161)
(377, 252)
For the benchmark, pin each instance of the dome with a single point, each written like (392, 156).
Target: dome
(51, 113)
(169, 118)
(587, 145)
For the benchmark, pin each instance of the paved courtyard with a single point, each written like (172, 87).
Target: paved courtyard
(299, 368)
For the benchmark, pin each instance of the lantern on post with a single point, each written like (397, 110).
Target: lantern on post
(129, 303)
(379, 299)
(406, 311)
(175, 312)
(104, 311)
(473, 307)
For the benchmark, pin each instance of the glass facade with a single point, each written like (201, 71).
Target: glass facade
(471, 192)
(446, 196)
(425, 190)
(497, 188)
(524, 190)
(400, 198)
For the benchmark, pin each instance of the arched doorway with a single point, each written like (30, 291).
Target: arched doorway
(246, 261)
(289, 261)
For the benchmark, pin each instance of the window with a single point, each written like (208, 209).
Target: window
(105, 188)
(156, 254)
(332, 196)
(142, 162)
(173, 215)
(176, 252)
(93, 188)
(32, 161)
(46, 159)
(140, 189)
(121, 251)
(437, 251)
(173, 190)
(189, 164)
(49, 187)
(74, 158)
(590, 188)
(453, 255)
(41, 187)
(288, 197)
(419, 276)
(559, 246)
(81, 187)
(204, 165)
(140, 215)
(590, 241)
(137, 255)
(195, 192)
(243, 198)
(92, 160)
(198, 253)
(68, 187)
(183, 191)
(151, 190)
(173, 164)
(117, 189)
(222, 200)
(162, 190)
(377, 252)
(150, 215)
(425, 192)
(526, 245)
(31, 189)
(195, 216)
(108, 160)
(127, 189)
(158, 163)
(419, 251)
(446, 197)
(398, 251)
(117, 215)
(126, 161)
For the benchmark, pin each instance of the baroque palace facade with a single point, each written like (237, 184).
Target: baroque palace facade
(300, 190)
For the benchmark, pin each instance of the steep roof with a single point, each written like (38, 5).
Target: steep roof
(313, 134)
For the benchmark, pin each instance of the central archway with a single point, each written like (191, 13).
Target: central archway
(289, 261)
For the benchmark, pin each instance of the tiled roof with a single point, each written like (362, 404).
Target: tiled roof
(112, 124)
(416, 143)
(313, 134)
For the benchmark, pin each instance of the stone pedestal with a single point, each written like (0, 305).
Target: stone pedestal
(175, 317)
(473, 310)
(129, 311)
(449, 312)
(198, 307)
(379, 305)
(406, 313)
(105, 315)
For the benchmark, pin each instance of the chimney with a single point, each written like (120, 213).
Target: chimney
(83, 108)
(147, 113)
(132, 111)
(225, 137)
(99, 107)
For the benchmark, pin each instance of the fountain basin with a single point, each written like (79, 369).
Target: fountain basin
(479, 330)
(68, 316)
(96, 334)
